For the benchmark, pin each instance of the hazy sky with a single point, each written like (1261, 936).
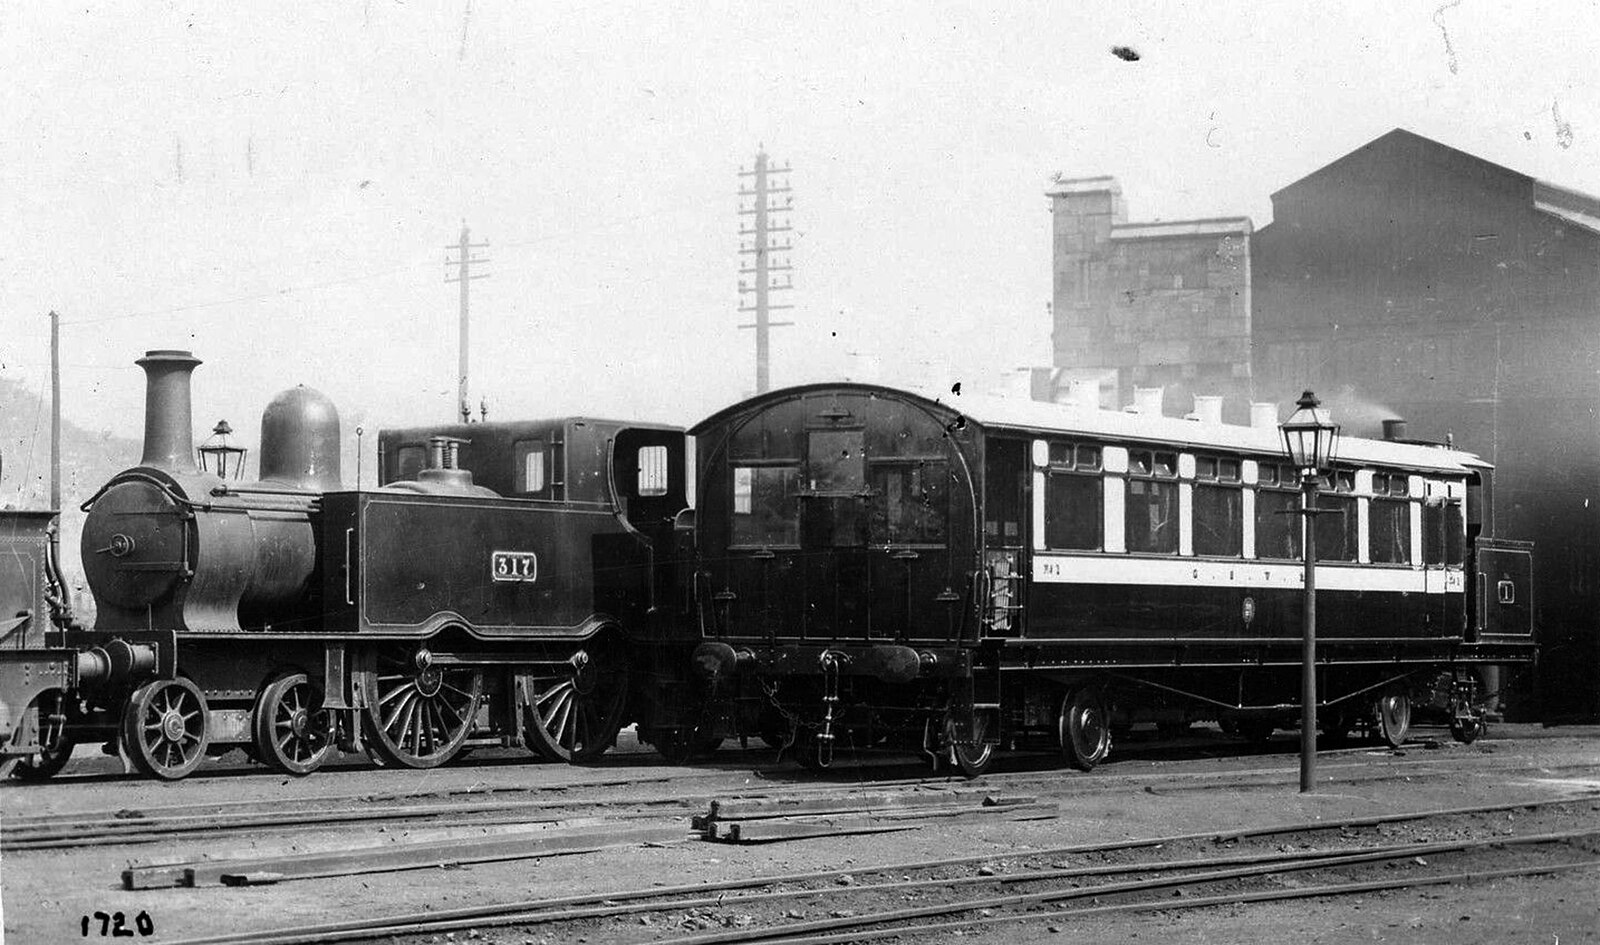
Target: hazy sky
(273, 185)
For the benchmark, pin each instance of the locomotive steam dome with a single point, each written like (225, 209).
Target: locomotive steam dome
(300, 440)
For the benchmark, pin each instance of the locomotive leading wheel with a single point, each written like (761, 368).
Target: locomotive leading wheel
(574, 709)
(292, 731)
(1393, 710)
(164, 728)
(1083, 728)
(418, 712)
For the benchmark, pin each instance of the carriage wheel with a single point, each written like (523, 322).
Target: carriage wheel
(418, 712)
(1083, 729)
(575, 709)
(972, 760)
(164, 728)
(1466, 730)
(1393, 710)
(292, 731)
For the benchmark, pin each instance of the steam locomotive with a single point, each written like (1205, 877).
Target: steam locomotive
(508, 584)
(863, 567)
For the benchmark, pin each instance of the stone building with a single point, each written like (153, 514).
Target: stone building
(1161, 304)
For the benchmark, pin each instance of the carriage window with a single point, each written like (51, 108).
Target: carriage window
(1278, 520)
(1218, 507)
(534, 466)
(1336, 524)
(409, 462)
(1073, 498)
(1151, 517)
(1072, 508)
(766, 507)
(1389, 520)
(910, 503)
(837, 461)
(653, 470)
(1442, 539)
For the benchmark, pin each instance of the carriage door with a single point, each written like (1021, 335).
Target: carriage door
(833, 535)
(1005, 520)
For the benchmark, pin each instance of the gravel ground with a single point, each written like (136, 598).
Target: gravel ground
(45, 893)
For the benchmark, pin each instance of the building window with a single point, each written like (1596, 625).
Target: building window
(1389, 519)
(1073, 498)
(653, 470)
(1218, 507)
(910, 503)
(1278, 516)
(1151, 509)
(766, 505)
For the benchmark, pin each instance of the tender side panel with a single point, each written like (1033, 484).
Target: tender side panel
(409, 564)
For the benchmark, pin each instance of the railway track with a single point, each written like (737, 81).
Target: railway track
(1209, 868)
(533, 805)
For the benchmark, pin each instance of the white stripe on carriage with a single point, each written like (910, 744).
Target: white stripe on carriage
(1190, 572)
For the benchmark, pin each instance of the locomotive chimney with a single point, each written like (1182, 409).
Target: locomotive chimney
(168, 419)
(1394, 430)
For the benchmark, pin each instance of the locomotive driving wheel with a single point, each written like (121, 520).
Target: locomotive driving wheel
(292, 731)
(574, 709)
(418, 711)
(164, 728)
(1083, 728)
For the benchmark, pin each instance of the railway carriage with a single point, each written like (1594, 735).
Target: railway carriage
(880, 566)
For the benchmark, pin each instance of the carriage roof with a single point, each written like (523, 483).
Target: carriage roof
(1043, 418)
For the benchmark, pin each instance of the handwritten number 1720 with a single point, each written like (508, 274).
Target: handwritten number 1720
(115, 925)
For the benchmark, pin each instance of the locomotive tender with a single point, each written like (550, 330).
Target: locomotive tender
(875, 565)
(864, 566)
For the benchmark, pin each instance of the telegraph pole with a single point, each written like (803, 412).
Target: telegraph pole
(763, 207)
(464, 262)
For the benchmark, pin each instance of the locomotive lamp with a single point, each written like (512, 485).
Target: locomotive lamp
(1310, 439)
(219, 456)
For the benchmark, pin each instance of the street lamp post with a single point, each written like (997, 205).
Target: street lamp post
(1310, 438)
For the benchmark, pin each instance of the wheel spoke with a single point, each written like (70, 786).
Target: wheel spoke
(394, 715)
